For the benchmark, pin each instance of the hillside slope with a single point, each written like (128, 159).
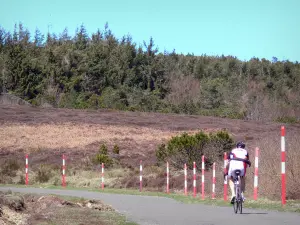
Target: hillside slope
(47, 133)
(102, 71)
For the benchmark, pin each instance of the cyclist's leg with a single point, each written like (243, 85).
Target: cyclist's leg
(232, 189)
(231, 183)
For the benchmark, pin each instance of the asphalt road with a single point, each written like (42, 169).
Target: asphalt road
(146, 210)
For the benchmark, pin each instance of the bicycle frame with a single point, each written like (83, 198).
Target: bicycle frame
(238, 202)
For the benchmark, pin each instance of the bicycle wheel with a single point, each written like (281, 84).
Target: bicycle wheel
(241, 206)
(236, 202)
(239, 199)
(236, 206)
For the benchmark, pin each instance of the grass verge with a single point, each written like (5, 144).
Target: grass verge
(291, 205)
(52, 209)
(113, 218)
(85, 216)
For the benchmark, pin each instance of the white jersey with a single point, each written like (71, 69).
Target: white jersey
(238, 165)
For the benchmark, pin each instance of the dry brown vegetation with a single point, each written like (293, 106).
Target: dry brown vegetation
(75, 136)
(23, 209)
(48, 133)
(270, 169)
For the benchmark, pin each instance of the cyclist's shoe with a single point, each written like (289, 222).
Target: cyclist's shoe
(232, 200)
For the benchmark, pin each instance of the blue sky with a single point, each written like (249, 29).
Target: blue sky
(260, 28)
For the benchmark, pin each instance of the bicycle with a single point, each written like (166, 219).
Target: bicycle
(238, 201)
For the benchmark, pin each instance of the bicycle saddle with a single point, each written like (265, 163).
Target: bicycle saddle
(237, 172)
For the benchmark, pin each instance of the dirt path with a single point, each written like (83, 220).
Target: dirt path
(146, 210)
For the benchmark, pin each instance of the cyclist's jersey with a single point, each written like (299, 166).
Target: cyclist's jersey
(238, 153)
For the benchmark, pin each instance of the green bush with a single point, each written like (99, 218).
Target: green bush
(113, 99)
(103, 157)
(116, 149)
(103, 149)
(189, 148)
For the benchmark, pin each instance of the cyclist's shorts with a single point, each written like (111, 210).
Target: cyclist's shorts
(231, 171)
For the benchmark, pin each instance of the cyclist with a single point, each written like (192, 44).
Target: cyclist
(237, 160)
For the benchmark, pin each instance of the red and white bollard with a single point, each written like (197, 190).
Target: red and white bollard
(185, 179)
(26, 170)
(225, 178)
(213, 195)
(64, 171)
(168, 188)
(203, 168)
(256, 174)
(102, 176)
(283, 187)
(141, 175)
(194, 178)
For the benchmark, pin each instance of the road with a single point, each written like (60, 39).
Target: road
(146, 210)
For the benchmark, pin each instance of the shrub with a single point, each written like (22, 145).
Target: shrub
(22, 179)
(44, 174)
(116, 149)
(103, 157)
(113, 99)
(103, 149)
(189, 148)
(56, 181)
(10, 167)
(217, 144)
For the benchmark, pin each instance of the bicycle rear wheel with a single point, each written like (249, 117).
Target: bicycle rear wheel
(236, 202)
(239, 199)
(240, 206)
(236, 206)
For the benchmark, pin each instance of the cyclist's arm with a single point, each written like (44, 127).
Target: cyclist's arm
(230, 156)
(247, 156)
(248, 159)
(227, 163)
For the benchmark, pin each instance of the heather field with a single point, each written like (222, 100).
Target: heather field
(46, 134)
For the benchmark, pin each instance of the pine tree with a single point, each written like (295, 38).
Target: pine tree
(38, 38)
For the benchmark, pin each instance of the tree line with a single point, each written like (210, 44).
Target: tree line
(103, 71)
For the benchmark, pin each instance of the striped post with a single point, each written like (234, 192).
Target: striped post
(194, 178)
(256, 174)
(185, 179)
(213, 195)
(225, 179)
(168, 189)
(102, 176)
(203, 167)
(26, 170)
(141, 175)
(283, 182)
(64, 171)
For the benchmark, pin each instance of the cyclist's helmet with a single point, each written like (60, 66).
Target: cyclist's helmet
(240, 144)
